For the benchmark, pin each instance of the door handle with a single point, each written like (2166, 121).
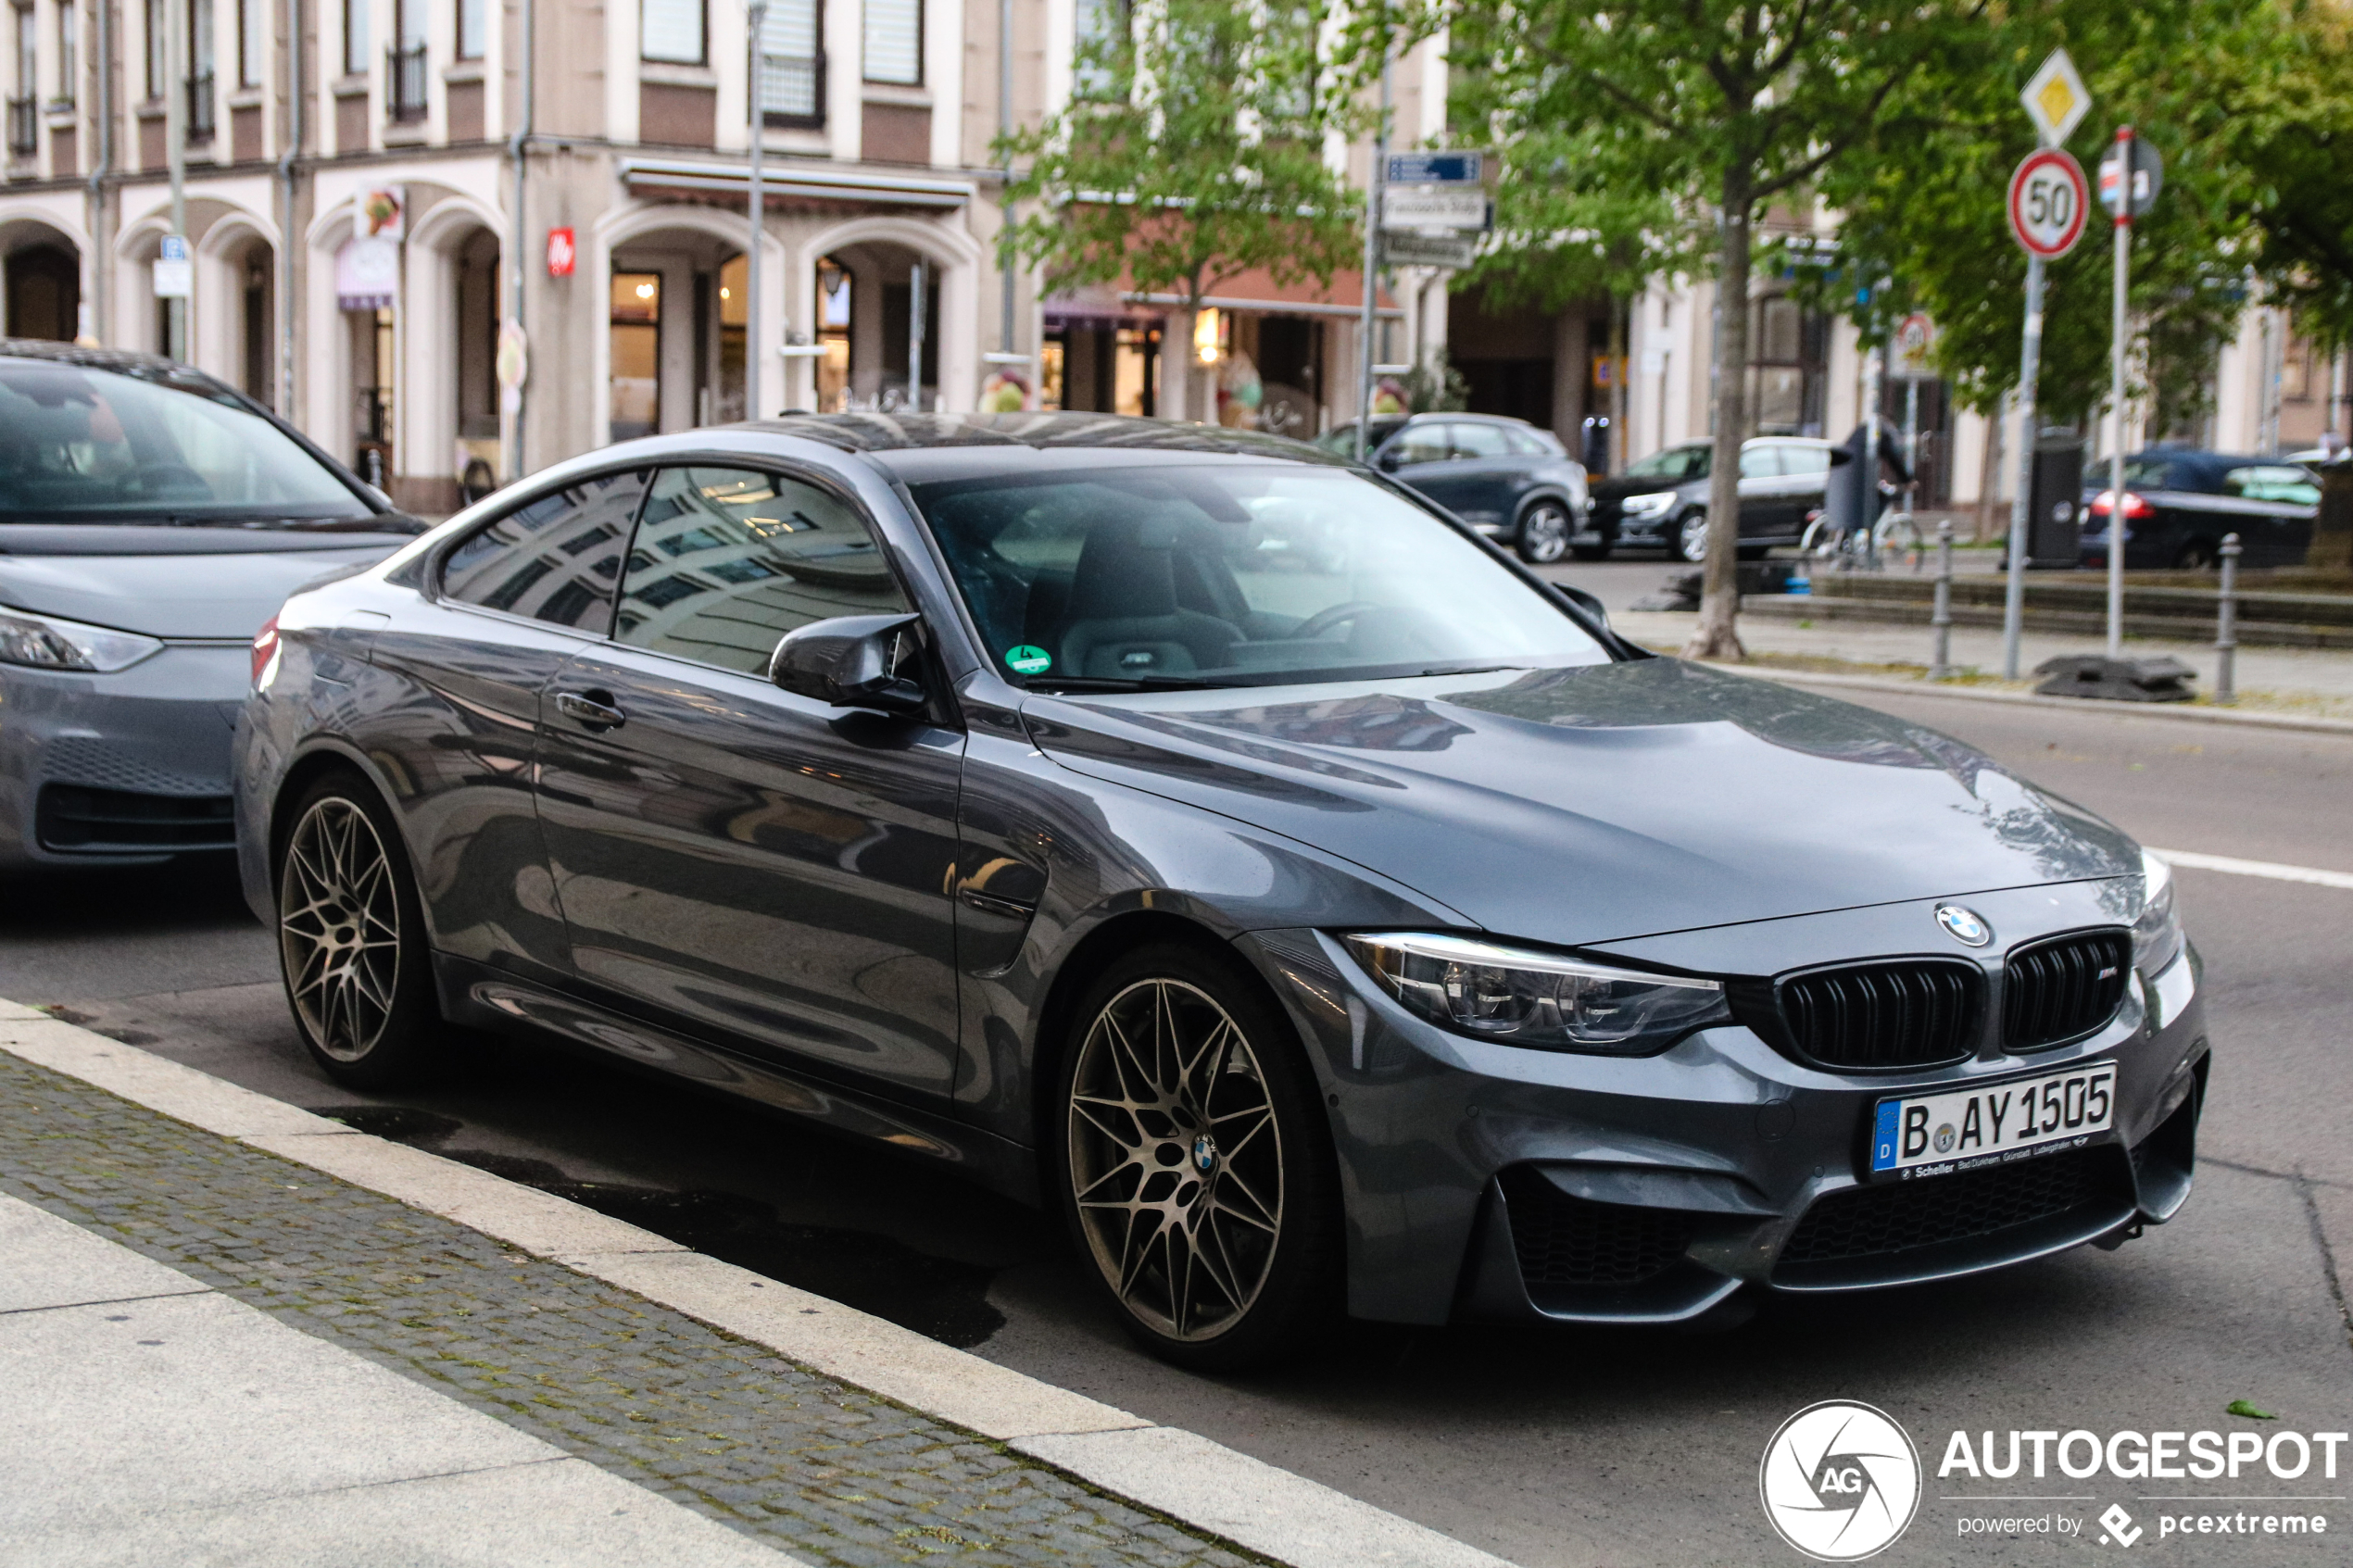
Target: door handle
(594, 710)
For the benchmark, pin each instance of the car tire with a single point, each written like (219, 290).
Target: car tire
(351, 939)
(1691, 537)
(1544, 528)
(1202, 1193)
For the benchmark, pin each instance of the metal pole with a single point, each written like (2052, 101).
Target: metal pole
(285, 312)
(175, 150)
(512, 403)
(916, 302)
(1912, 444)
(101, 317)
(755, 353)
(1872, 392)
(2226, 627)
(1941, 668)
(1005, 128)
(2115, 392)
(2030, 366)
(1372, 261)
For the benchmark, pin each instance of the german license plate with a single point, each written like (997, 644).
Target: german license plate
(1991, 1124)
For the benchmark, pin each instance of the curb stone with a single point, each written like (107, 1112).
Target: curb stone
(2182, 713)
(1178, 1474)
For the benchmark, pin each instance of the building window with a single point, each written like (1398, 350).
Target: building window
(199, 70)
(895, 41)
(473, 29)
(405, 64)
(253, 37)
(354, 37)
(1790, 352)
(672, 32)
(69, 55)
(1102, 25)
(792, 65)
(158, 20)
(23, 129)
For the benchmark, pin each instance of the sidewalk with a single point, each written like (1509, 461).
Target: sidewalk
(279, 1341)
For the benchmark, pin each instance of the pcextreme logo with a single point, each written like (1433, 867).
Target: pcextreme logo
(1840, 1481)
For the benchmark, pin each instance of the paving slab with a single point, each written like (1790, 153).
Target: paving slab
(52, 1262)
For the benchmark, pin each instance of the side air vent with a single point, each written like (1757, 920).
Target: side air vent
(2064, 988)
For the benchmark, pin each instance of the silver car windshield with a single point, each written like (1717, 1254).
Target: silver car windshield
(1253, 574)
(90, 446)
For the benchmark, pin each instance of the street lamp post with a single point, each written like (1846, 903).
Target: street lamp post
(755, 353)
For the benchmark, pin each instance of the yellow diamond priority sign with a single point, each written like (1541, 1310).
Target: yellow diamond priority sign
(2056, 99)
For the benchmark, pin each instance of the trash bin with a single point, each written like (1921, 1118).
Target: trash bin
(2055, 522)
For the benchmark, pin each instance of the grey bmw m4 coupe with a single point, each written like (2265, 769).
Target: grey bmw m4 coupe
(151, 520)
(1365, 930)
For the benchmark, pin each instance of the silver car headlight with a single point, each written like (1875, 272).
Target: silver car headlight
(2157, 935)
(1547, 1001)
(1651, 505)
(46, 642)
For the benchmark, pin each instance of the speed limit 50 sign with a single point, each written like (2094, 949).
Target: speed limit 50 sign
(2049, 201)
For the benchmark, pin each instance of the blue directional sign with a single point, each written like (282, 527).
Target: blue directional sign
(1435, 169)
(174, 248)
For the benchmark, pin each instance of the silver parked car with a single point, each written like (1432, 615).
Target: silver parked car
(152, 520)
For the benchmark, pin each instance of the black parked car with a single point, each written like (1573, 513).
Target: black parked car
(1385, 937)
(2178, 505)
(1662, 500)
(1504, 477)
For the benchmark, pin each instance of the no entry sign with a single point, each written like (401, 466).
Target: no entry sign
(2049, 203)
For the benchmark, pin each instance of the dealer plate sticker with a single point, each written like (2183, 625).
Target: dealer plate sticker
(1993, 1123)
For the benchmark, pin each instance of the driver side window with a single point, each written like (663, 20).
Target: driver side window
(1420, 444)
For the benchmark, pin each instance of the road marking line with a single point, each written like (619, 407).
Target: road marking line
(2271, 869)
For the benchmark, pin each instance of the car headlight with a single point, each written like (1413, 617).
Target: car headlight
(2157, 935)
(1547, 1001)
(1651, 505)
(46, 642)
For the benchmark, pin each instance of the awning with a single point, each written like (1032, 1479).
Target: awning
(788, 180)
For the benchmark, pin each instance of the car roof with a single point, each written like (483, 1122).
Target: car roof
(120, 362)
(879, 434)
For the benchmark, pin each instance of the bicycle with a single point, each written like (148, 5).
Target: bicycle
(1894, 537)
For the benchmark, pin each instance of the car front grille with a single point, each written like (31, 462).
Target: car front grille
(118, 821)
(2063, 988)
(1877, 1017)
(1564, 1240)
(1869, 1222)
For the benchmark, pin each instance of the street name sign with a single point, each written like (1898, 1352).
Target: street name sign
(2049, 203)
(2056, 99)
(1436, 168)
(1412, 249)
(1457, 207)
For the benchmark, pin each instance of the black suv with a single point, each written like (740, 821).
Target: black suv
(1662, 500)
(1504, 477)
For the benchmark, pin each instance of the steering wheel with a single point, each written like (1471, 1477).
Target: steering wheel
(1325, 619)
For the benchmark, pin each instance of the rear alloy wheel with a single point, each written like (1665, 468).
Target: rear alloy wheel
(1691, 537)
(1196, 1171)
(1543, 534)
(351, 940)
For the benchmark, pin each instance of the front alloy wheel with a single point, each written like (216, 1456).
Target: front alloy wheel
(350, 942)
(1543, 534)
(1691, 537)
(1189, 1175)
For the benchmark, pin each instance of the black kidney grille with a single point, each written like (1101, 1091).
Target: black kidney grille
(1869, 1221)
(1913, 1013)
(2063, 988)
(1566, 1240)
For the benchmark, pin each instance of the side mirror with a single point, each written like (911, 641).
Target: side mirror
(1388, 462)
(849, 661)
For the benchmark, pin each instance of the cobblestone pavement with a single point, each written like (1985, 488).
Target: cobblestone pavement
(792, 1459)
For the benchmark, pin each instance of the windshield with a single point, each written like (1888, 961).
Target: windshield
(1234, 575)
(1675, 464)
(87, 445)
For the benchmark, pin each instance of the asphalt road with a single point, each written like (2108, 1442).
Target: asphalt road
(1551, 1449)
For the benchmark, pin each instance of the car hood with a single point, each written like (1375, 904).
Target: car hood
(1599, 803)
(182, 594)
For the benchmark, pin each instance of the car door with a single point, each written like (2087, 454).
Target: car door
(1763, 498)
(462, 667)
(1483, 472)
(757, 866)
(1421, 456)
(1806, 472)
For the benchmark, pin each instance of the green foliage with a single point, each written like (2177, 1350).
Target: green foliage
(1436, 387)
(1193, 152)
(2292, 129)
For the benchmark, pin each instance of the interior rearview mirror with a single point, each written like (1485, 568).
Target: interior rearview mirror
(849, 662)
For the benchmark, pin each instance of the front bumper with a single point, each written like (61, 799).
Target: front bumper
(1492, 1182)
(132, 766)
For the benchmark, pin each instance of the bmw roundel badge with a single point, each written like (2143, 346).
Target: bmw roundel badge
(1964, 926)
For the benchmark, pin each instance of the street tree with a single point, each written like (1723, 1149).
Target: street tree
(1723, 107)
(1192, 151)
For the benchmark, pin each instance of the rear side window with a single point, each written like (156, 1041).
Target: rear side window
(1760, 462)
(1480, 441)
(1527, 444)
(1806, 459)
(554, 558)
(728, 560)
(2272, 483)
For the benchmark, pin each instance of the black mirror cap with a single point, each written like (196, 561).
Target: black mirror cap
(1385, 461)
(847, 661)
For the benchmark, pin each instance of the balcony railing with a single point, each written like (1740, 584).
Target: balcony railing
(200, 109)
(404, 83)
(792, 92)
(24, 128)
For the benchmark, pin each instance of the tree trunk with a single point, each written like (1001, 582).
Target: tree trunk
(1717, 637)
(2331, 546)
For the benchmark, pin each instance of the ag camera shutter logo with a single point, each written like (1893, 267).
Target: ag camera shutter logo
(1840, 1481)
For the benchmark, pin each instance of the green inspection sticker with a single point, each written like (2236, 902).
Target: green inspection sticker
(1029, 660)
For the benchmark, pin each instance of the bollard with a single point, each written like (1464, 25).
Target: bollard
(1942, 669)
(2226, 627)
